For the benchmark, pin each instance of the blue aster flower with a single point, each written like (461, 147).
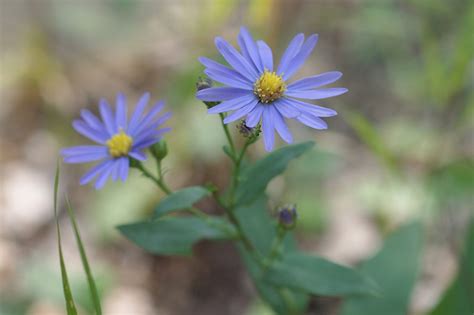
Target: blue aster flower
(118, 138)
(255, 90)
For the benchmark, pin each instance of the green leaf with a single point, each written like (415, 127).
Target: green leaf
(176, 235)
(458, 298)
(319, 276)
(85, 263)
(181, 199)
(70, 305)
(259, 228)
(395, 268)
(255, 178)
(282, 300)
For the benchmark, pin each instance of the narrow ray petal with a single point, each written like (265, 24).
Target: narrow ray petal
(123, 168)
(228, 79)
(137, 155)
(92, 120)
(121, 112)
(253, 118)
(241, 112)
(281, 126)
(291, 51)
(81, 149)
(102, 179)
(266, 55)
(232, 104)
(107, 117)
(285, 109)
(312, 121)
(308, 107)
(298, 60)
(82, 128)
(138, 112)
(268, 129)
(249, 49)
(220, 94)
(94, 171)
(316, 94)
(315, 81)
(232, 56)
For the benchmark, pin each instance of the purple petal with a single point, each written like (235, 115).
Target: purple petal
(285, 109)
(268, 129)
(249, 49)
(92, 120)
(84, 129)
(138, 113)
(85, 157)
(151, 126)
(220, 94)
(232, 104)
(121, 112)
(301, 57)
(150, 133)
(81, 149)
(308, 107)
(266, 55)
(254, 116)
(213, 65)
(291, 51)
(102, 179)
(94, 171)
(143, 123)
(123, 168)
(312, 121)
(107, 117)
(315, 81)
(280, 126)
(241, 112)
(137, 155)
(228, 78)
(115, 170)
(146, 143)
(232, 56)
(316, 94)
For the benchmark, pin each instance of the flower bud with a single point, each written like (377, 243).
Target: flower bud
(248, 132)
(159, 150)
(203, 83)
(287, 216)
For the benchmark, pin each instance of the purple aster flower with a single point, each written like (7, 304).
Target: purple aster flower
(119, 139)
(258, 92)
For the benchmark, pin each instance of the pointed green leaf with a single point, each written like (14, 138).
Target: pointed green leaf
(181, 199)
(458, 299)
(259, 228)
(70, 305)
(176, 235)
(319, 276)
(85, 263)
(395, 269)
(255, 178)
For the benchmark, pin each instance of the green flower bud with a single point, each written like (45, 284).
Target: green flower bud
(159, 150)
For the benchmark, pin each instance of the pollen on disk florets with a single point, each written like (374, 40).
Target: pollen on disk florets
(120, 144)
(269, 87)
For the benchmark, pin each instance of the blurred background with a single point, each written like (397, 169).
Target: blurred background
(401, 148)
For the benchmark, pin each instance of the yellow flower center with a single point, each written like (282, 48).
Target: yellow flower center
(120, 144)
(269, 87)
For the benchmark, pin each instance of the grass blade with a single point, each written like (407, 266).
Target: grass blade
(85, 263)
(70, 306)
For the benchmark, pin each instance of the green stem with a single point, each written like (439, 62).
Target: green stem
(276, 248)
(228, 136)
